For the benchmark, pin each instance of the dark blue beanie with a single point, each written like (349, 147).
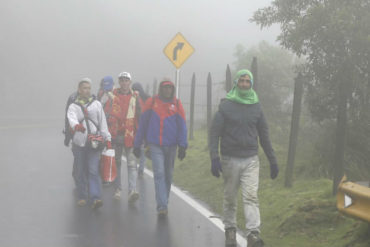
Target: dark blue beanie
(108, 83)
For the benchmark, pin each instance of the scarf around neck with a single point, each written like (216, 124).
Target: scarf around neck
(84, 101)
(247, 97)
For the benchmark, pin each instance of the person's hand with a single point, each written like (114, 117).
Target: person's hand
(274, 171)
(109, 145)
(216, 167)
(66, 141)
(137, 152)
(181, 153)
(80, 127)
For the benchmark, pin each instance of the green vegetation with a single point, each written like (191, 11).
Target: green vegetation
(331, 39)
(304, 215)
(334, 39)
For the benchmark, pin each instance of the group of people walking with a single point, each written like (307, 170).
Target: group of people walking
(130, 121)
(127, 120)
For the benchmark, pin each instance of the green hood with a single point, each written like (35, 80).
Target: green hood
(247, 97)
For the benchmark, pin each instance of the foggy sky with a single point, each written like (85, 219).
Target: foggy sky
(48, 45)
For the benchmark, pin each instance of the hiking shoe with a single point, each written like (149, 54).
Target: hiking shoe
(133, 196)
(230, 237)
(140, 174)
(97, 204)
(117, 194)
(163, 213)
(81, 202)
(254, 240)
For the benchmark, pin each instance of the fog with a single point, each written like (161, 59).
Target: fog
(47, 46)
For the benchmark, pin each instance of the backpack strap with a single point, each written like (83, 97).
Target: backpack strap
(86, 116)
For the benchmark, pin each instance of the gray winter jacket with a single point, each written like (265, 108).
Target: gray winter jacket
(238, 127)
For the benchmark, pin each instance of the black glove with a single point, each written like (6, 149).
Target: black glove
(137, 152)
(274, 171)
(182, 153)
(216, 167)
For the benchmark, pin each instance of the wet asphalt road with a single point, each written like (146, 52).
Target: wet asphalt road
(38, 205)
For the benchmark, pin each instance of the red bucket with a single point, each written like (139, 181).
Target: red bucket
(108, 169)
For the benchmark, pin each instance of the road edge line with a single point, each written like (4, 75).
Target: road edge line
(201, 209)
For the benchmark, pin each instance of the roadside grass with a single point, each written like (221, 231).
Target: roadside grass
(302, 216)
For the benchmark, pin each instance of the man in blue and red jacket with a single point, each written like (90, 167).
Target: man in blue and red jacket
(162, 125)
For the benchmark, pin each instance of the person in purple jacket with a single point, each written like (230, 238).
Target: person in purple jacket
(162, 125)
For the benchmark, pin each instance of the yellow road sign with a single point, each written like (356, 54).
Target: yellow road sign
(178, 50)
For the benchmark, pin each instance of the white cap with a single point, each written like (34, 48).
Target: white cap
(124, 75)
(86, 80)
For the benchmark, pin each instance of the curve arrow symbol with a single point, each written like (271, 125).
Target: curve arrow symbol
(179, 46)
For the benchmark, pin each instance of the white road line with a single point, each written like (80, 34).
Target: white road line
(197, 206)
(202, 210)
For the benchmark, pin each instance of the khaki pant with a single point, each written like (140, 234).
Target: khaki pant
(244, 173)
(131, 167)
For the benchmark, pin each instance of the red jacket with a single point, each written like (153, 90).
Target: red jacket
(120, 125)
(106, 99)
(162, 123)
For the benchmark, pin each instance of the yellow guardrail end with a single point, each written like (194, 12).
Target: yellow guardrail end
(353, 199)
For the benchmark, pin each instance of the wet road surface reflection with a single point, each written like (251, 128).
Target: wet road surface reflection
(39, 206)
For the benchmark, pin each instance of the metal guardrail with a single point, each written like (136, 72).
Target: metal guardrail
(353, 199)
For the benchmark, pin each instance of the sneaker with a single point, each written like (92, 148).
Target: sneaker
(230, 237)
(254, 240)
(133, 196)
(117, 194)
(81, 202)
(97, 204)
(162, 213)
(106, 184)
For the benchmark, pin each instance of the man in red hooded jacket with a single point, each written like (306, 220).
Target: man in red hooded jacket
(163, 127)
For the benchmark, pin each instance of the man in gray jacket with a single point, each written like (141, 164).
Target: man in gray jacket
(237, 126)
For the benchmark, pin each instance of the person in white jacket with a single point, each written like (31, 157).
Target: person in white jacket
(87, 158)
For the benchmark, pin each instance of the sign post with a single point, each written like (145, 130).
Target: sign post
(178, 50)
(177, 82)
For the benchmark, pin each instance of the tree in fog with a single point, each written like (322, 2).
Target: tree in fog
(334, 37)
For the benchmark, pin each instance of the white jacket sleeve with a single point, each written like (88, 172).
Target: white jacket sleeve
(103, 124)
(72, 116)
